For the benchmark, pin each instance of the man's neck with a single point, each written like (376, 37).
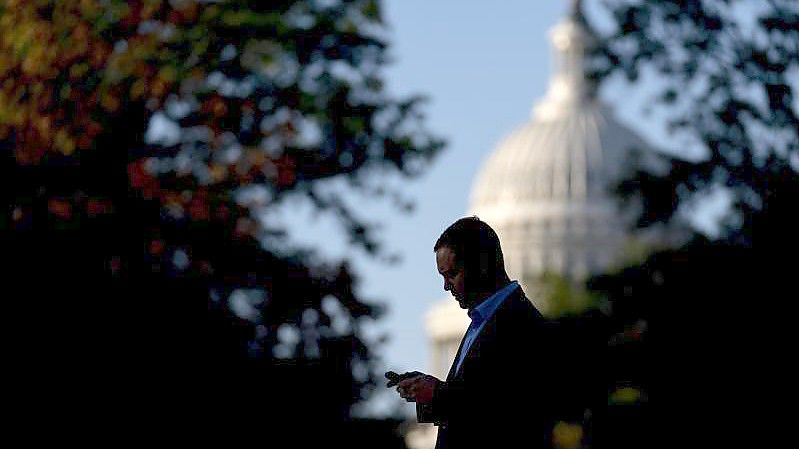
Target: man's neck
(485, 294)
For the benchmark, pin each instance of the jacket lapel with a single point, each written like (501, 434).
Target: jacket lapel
(451, 374)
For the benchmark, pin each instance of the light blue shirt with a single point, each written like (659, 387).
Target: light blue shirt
(480, 315)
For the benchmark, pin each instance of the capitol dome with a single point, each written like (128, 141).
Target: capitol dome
(547, 187)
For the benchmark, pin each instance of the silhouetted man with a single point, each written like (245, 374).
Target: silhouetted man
(499, 391)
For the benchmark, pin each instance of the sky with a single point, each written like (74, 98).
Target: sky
(482, 68)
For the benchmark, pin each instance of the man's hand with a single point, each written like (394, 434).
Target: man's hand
(418, 388)
(394, 378)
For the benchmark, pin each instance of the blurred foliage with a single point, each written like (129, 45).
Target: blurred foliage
(567, 435)
(726, 72)
(564, 296)
(143, 144)
(727, 75)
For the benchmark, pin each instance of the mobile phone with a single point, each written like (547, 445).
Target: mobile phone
(394, 378)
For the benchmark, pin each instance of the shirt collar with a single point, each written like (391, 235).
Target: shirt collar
(482, 311)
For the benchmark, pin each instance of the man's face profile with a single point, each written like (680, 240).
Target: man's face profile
(452, 273)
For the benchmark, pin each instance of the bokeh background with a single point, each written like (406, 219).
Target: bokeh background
(219, 215)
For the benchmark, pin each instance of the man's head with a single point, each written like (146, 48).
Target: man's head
(469, 258)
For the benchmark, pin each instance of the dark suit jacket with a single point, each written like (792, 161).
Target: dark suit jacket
(503, 394)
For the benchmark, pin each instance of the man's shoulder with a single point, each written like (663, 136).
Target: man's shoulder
(519, 300)
(518, 307)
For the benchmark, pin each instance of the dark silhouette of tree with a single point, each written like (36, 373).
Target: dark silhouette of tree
(143, 142)
(726, 74)
(728, 84)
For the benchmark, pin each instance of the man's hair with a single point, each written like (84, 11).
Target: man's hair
(476, 247)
